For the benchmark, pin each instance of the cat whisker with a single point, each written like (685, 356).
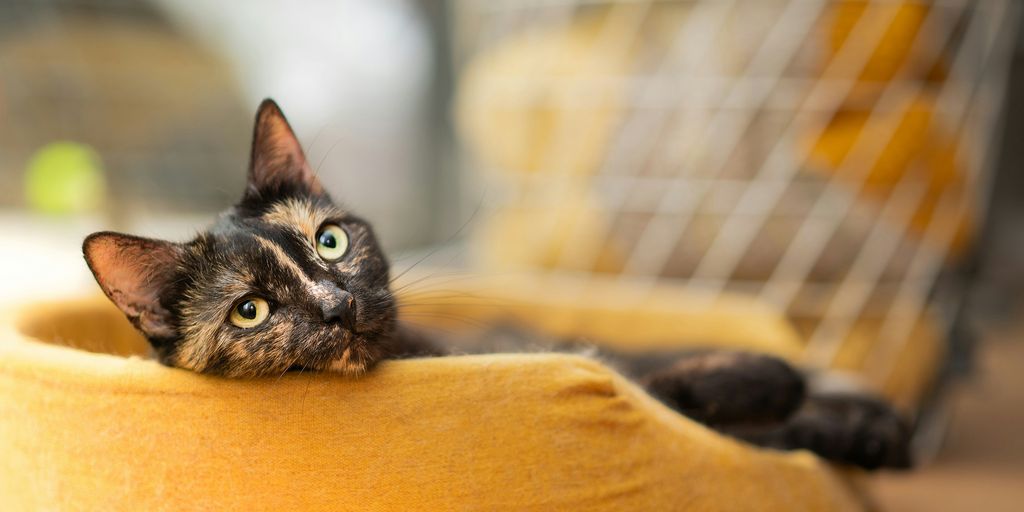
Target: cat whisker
(447, 241)
(316, 170)
(289, 366)
(305, 391)
(448, 277)
(443, 294)
(316, 138)
(473, 322)
(447, 307)
(431, 280)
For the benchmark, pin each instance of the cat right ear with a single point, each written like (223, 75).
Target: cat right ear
(277, 163)
(134, 273)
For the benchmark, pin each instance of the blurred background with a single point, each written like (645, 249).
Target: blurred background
(852, 165)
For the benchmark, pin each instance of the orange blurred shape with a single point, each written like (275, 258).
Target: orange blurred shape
(875, 151)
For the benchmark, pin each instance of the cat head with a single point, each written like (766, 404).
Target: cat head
(284, 279)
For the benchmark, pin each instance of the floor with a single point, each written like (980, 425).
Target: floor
(981, 466)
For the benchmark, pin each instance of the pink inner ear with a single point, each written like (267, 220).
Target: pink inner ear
(133, 272)
(277, 155)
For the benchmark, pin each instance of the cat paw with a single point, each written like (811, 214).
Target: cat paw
(851, 429)
(728, 388)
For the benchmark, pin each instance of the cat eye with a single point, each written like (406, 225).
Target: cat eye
(250, 312)
(331, 242)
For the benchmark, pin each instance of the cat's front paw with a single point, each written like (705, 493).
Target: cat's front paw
(850, 429)
(729, 388)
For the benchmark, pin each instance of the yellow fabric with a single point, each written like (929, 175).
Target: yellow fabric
(917, 147)
(84, 430)
(631, 315)
(573, 236)
(606, 310)
(888, 35)
(521, 124)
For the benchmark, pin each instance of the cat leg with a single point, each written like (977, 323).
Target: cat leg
(729, 388)
(840, 427)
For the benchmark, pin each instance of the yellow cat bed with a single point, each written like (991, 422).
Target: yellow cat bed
(98, 428)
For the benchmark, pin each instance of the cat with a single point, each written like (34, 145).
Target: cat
(286, 279)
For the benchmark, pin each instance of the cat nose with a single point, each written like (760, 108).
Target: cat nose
(340, 308)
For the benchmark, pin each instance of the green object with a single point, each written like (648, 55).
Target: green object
(63, 178)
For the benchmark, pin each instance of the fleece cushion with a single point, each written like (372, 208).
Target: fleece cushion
(638, 315)
(88, 424)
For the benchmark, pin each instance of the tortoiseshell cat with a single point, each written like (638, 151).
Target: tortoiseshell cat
(286, 279)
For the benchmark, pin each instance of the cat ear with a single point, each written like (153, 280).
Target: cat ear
(134, 272)
(277, 162)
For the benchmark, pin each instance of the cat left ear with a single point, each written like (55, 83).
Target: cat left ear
(134, 273)
(277, 163)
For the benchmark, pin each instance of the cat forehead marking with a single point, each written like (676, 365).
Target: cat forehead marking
(285, 261)
(318, 291)
(300, 214)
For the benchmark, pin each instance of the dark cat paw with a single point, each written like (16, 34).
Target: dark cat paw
(844, 428)
(725, 388)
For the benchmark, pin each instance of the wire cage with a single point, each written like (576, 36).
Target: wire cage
(832, 158)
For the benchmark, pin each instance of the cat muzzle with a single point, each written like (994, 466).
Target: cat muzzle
(341, 308)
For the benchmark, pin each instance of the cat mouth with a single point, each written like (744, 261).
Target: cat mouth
(352, 362)
(348, 361)
(345, 351)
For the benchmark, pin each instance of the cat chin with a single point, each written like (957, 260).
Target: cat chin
(351, 363)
